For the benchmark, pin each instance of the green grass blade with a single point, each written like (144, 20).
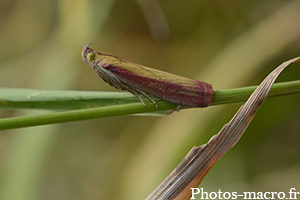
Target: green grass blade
(128, 104)
(71, 100)
(62, 99)
(83, 114)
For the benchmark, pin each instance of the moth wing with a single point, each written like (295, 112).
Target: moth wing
(151, 73)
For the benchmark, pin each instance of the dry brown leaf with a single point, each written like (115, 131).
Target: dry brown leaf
(193, 168)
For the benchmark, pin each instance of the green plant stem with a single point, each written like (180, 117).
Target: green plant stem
(220, 97)
(83, 114)
(243, 93)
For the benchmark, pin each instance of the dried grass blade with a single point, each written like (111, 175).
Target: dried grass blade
(193, 168)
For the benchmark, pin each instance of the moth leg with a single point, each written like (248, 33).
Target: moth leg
(176, 109)
(136, 91)
(136, 94)
(145, 95)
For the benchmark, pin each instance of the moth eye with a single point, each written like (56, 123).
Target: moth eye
(90, 56)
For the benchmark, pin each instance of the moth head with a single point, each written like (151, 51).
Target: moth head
(87, 54)
(90, 56)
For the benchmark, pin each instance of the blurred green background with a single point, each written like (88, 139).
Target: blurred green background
(227, 43)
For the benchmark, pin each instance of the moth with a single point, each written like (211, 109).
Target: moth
(140, 80)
